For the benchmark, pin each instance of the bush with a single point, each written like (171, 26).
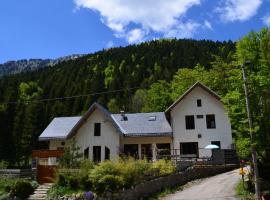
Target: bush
(112, 176)
(21, 189)
(165, 167)
(109, 183)
(3, 164)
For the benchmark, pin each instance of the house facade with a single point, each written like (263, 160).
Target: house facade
(198, 118)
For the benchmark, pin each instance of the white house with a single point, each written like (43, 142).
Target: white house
(198, 118)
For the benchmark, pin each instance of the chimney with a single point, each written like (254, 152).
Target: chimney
(123, 116)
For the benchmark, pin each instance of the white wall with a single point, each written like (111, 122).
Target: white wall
(109, 136)
(210, 105)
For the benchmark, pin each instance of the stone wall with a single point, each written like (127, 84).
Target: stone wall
(147, 188)
(17, 173)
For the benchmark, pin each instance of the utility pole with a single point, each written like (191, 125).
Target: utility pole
(253, 149)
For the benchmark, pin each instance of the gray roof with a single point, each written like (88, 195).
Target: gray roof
(144, 124)
(137, 124)
(59, 128)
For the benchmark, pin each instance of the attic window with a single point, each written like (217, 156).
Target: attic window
(152, 118)
(199, 103)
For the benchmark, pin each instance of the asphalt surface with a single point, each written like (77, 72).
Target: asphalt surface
(216, 187)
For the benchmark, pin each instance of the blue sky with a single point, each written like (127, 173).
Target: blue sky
(54, 28)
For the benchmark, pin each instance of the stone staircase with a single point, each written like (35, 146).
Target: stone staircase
(41, 192)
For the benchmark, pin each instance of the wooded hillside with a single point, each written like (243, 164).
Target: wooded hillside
(144, 77)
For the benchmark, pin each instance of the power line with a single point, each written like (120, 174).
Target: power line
(70, 97)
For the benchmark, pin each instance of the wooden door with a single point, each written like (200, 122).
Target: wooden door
(46, 173)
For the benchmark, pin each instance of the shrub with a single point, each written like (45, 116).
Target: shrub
(165, 167)
(62, 179)
(21, 189)
(109, 183)
(73, 181)
(3, 164)
(34, 184)
(86, 166)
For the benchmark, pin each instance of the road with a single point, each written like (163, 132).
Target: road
(217, 187)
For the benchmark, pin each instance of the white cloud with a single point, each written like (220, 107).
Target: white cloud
(184, 30)
(266, 20)
(135, 35)
(238, 10)
(208, 25)
(159, 16)
(109, 44)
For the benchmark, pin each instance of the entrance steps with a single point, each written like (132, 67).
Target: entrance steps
(41, 192)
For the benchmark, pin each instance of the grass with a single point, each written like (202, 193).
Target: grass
(243, 192)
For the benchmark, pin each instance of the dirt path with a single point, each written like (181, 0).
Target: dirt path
(217, 187)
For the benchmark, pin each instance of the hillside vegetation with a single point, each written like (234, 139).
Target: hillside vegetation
(150, 76)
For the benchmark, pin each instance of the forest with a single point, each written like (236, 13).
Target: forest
(140, 78)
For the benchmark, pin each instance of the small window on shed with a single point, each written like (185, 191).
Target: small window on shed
(97, 129)
(199, 103)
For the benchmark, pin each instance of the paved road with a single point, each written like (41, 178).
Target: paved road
(214, 188)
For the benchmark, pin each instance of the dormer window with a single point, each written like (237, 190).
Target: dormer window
(199, 103)
(152, 118)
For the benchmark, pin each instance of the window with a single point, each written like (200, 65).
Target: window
(189, 148)
(164, 149)
(199, 116)
(216, 143)
(131, 150)
(96, 153)
(97, 129)
(190, 124)
(199, 103)
(107, 153)
(86, 153)
(210, 121)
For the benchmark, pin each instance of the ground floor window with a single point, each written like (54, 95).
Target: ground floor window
(131, 150)
(107, 153)
(216, 143)
(86, 153)
(190, 148)
(164, 149)
(146, 151)
(96, 153)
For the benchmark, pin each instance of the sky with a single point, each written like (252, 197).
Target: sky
(55, 28)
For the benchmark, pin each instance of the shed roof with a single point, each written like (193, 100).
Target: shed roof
(59, 128)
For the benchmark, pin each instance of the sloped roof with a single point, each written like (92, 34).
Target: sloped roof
(137, 124)
(197, 84)
(144, 124)
(83, 119)
(59, 128)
